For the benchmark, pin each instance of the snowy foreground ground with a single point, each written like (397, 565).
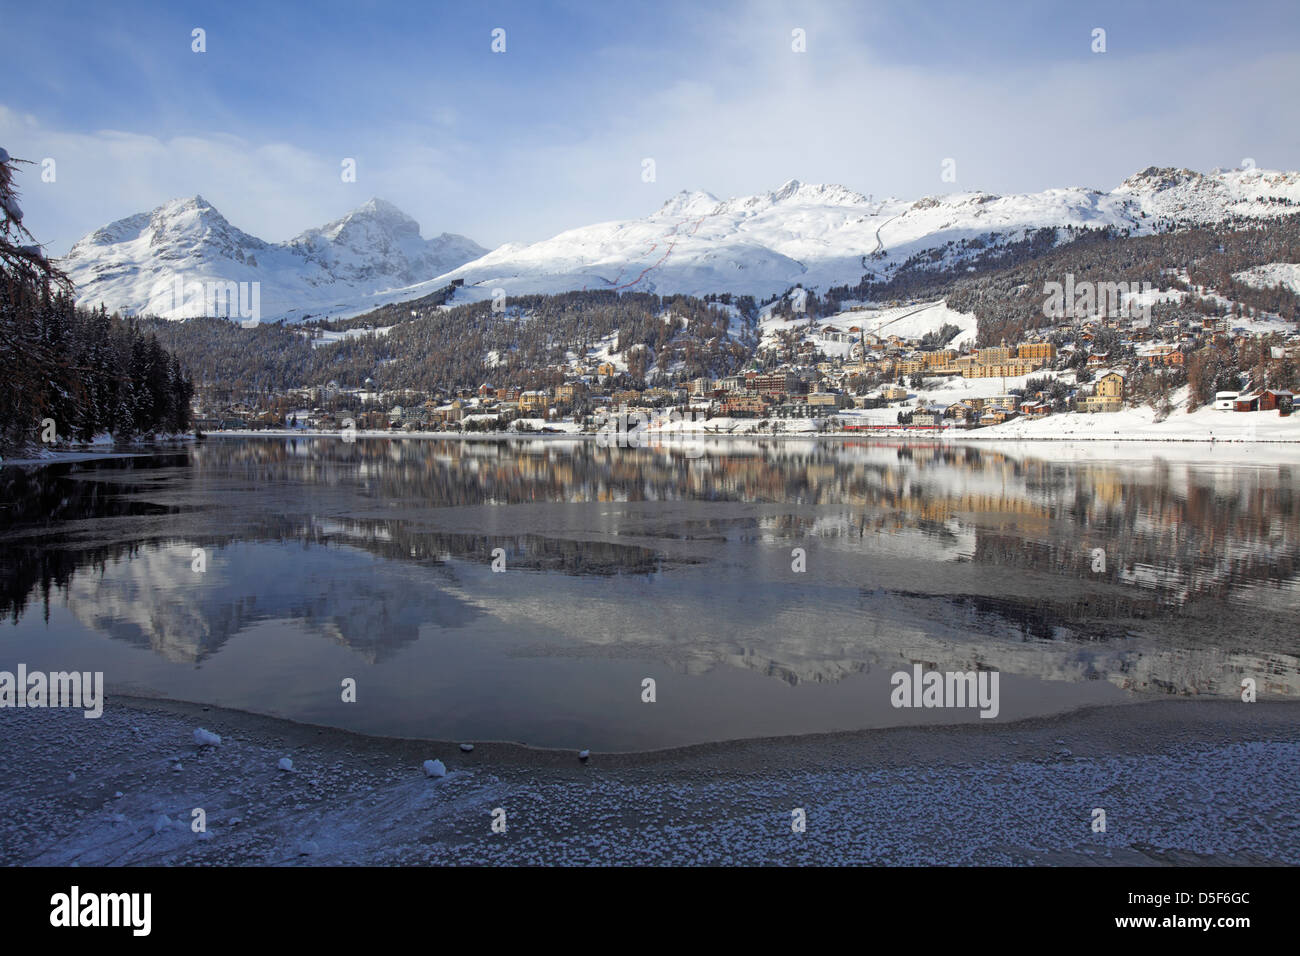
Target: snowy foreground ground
(1182, 782)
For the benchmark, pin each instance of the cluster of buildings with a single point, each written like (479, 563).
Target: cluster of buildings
(896, 357)
(1281, 401)
(790, 380)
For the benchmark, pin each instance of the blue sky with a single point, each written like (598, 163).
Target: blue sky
(552, 133)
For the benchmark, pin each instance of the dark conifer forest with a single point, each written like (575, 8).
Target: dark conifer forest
(70, 374)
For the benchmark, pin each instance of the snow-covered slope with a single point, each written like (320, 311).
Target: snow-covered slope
(817, 236)
(1286, 274)
(910, 321)
(825, 235)
(345, 266)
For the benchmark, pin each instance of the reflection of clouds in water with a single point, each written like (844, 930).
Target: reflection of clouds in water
(153, 598)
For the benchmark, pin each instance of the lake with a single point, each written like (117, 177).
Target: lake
(525, 590)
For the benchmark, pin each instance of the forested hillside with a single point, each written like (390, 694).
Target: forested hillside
(520, 342)
(68, 373)
(1006, 288)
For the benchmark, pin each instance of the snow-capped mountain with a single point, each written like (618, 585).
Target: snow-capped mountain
(814, 235)
(345, 266)
(825, 235)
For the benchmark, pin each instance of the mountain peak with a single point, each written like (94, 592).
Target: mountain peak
(792, 191)
(187, 214)
(820, 236)
(822, 194)
(379, 207)
(787, 189)
(1156, 178)
(185, 204)
(369, 252)
(372, 213)
(687, 203)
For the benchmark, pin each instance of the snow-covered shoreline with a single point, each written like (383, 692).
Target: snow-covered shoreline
(687, 437)
(1182, 782)
(1061, 428)
(98, 450)
(1065, 445)
(64, 457)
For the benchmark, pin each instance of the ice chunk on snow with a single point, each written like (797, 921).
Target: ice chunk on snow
(206, 738)
(434, 768)
(286, 764)
(467, 747)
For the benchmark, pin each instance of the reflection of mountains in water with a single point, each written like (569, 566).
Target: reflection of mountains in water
(823, 639)
(51, 516)
(314, 574)
(153, 598)
(1182, 533)
(43, 556)
(397, 539)
(1203, 541)
(1089, 638)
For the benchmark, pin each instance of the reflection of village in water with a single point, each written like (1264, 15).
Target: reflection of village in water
(1161, 576)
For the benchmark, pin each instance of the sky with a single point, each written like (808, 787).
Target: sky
(555, 131)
